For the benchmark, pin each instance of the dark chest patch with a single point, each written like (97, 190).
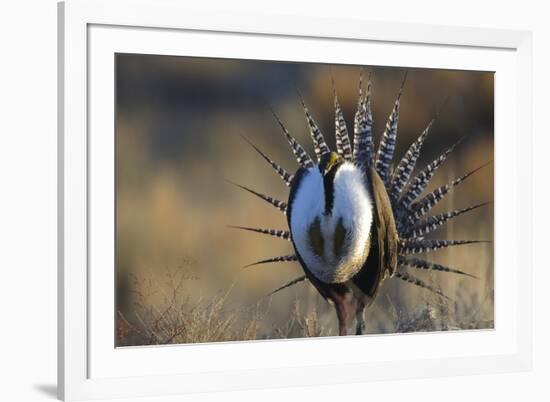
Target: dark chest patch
(328, 184)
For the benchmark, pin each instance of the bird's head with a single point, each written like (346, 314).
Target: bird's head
(331, 218)
(328, 162)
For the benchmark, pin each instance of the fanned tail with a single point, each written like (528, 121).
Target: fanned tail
(405, 189)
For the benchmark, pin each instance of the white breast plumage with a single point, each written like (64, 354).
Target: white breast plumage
(352, 205)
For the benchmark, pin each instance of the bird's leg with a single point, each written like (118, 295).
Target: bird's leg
(344, 312)
(359, 311)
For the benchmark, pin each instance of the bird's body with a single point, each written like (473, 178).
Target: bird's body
(353, 221)
(338, 246)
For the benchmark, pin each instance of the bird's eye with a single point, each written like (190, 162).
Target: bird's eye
(339, 237)
(316, 238)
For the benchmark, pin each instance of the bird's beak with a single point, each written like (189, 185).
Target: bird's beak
(331, 161)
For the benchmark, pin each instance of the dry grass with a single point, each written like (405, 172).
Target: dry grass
(179, 320)
(437, 315)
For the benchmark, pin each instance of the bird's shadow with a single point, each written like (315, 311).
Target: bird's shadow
(47, 389)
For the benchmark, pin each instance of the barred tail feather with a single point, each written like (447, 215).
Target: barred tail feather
(319, 143)
(402, 172)
(432, 223)
(289, 284)
(422, 179)
(423, 206)
(425, 246)
(287, 177)
(283, 258)
(428, 265)
(280, 205)
(417, 282)
(386, 148)
(301, 155)
(281, 234)
(363, 145)
(343, 145)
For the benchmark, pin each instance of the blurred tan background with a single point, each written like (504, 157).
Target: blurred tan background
(178, 126)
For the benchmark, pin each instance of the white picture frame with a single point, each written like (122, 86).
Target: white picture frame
(90, 32)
